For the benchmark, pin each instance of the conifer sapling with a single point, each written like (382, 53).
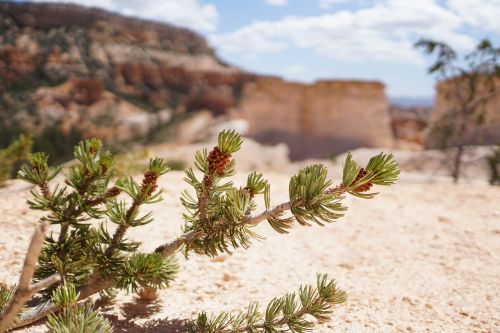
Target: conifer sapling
(219, 218)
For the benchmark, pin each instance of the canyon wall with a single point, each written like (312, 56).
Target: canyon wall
(319, 119)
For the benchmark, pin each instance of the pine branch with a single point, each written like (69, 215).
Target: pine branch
(140, 195)
(283, 314)
(99, 283)
(75, 317)
(25, 289)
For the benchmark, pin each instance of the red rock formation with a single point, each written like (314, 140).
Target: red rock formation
(15, 64)
(86, 91)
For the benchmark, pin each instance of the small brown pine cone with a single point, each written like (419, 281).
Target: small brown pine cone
(96, 201)
(112, 192)
(44, 188)
(150, 179)
(218, 161)
(364, 187)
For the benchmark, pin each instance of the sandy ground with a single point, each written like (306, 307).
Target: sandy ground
(418, 258)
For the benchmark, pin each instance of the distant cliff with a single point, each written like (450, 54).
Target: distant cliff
(318, 119)
(68, 72)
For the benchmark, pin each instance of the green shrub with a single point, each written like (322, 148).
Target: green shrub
(10, 157)
(58, 145)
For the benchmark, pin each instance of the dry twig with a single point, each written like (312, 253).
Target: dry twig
(25, 289)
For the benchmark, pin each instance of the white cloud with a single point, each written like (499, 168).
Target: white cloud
(186, 13)
(484, 14)
(276, 2)
(384, 32)
(327, 4)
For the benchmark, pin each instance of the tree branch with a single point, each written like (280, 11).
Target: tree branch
(99, 283)
(25, 290)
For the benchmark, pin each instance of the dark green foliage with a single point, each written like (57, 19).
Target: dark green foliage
(289, 313)
(75, 317)
(84, 247)
(58, 145)
(18, 151)
(6, 294)
(146, 270)
(74, 258)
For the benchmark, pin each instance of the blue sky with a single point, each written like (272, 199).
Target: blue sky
(307, 40)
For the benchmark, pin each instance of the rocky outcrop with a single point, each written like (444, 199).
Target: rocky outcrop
(320, 119)
(409, 125)
(64, 66)
(483, 128)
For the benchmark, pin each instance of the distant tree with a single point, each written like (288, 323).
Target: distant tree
(472, 79)
(494, 163)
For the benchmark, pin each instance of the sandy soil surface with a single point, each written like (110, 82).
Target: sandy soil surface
(418, 258)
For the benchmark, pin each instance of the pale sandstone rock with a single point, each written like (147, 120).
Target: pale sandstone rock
(195, 128)
(447, 100)
(318, 119)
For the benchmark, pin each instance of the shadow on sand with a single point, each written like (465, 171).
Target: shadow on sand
(139, 310)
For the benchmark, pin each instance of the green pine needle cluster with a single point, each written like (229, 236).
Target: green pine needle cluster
(146, 270)
(217, 208)
(309, 199)
(84, 208)
(381, 169)
(81, 318)
(289, 313)
(6, 293)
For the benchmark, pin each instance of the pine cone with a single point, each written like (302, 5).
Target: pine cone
(218, 161)
(112, 192)
(44, 188)
(150, 179)
(364, 187)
